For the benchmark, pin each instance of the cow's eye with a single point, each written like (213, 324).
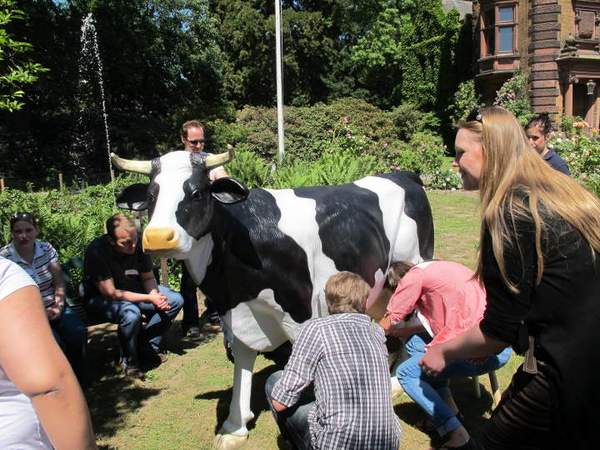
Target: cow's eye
(196, 193)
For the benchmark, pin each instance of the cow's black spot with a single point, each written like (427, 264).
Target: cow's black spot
(194, 213)
(350, 228)
(416, 207)
(251, 254)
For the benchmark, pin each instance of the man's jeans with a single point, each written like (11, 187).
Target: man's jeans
(191, 315)
(71, 334)
(128, 316)
(293, 422)
(425, 390)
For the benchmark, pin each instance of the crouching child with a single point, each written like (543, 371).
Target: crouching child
(334, 392)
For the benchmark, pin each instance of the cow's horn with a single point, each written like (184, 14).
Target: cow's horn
(130, 165)
(219, 159)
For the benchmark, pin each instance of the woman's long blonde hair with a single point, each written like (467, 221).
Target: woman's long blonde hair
(510, 164)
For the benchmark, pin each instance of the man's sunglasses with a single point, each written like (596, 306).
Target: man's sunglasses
(196, 141)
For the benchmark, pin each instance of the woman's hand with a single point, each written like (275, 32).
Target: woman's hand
(434, 361)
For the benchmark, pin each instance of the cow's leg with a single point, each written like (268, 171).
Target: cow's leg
(234, 433)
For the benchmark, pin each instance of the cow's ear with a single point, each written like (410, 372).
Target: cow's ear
(228, 190)
(134, 197)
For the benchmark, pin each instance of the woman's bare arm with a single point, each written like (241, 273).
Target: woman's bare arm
(34, 362)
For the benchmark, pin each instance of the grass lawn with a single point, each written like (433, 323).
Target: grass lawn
(184, 402)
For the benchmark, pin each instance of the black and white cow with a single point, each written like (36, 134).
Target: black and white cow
(264, 256)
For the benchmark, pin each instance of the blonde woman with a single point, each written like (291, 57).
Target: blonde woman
(539, 262)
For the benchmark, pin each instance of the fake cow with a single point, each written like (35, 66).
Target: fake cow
(264, 255)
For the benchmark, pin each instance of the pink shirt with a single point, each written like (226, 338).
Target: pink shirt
(445, 293)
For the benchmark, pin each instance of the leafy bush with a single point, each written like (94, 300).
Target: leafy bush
(305, 127)
(464, 101)
(580, 147)
(514, 96)
(409, 120)
(249, 167)
(69, 221)
(424, 154)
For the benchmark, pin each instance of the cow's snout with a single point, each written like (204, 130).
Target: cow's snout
(156, 239)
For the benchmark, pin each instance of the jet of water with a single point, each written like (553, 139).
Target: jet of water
(90, 52)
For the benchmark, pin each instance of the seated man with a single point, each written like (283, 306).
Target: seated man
(120, 287)
(344, 357)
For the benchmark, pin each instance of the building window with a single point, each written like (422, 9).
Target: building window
(498, 30)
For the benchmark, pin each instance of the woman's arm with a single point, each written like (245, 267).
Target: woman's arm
(404, 299)
(107, 289)
(471, 344)
(58, 281)
(36, 365)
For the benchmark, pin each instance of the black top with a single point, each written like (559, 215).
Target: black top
(102, 262)
(562, 313)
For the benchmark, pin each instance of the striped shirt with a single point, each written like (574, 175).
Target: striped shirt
(43, 255)
(344, 355)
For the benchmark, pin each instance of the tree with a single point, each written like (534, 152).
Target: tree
(406, 54)
(16, 71)
(162, 64)
(248, 39)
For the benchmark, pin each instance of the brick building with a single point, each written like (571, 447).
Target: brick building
(557, 42)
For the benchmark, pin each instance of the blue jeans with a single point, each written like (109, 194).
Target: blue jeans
(293, 422)
(425, 390)
(128, 316)
(71, 334)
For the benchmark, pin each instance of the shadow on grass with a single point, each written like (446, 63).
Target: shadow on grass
(176, 342)
(258, 400)
(110, 395)
(473, 409)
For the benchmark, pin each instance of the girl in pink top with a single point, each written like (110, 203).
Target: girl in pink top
(443, 292)
(448, 301)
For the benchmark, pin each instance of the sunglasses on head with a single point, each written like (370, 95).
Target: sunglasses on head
(22, 216)
(474, 116)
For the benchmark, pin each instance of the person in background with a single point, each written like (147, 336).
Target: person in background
(41, 404)
(120, 288)
(343, 357)
(192, 137)
(448, 301)
(40, 260)
(539, 262)
(538, 130)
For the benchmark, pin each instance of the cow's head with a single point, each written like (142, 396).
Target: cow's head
(180, 198)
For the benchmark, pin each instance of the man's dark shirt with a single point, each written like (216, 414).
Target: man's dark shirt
(102, 262)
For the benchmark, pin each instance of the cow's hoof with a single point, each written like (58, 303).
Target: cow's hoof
(229, 441)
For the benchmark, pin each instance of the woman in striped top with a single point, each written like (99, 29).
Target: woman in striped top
(40, 260)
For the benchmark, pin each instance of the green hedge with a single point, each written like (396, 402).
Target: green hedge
(334, 143)
(580, 147)
(68, 220)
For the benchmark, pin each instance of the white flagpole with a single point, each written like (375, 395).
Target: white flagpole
(279, 81)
